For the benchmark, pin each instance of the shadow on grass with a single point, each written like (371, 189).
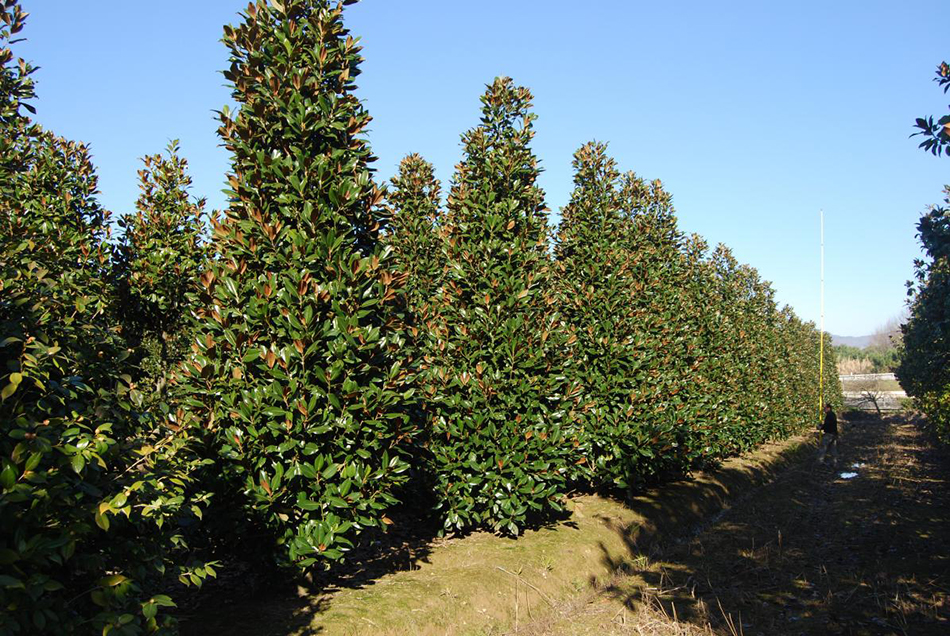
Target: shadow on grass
(802, 550)
(251, 600)
(277, 611)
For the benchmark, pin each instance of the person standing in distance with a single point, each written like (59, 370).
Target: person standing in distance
(829, 437)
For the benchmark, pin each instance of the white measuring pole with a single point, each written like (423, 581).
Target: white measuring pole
(821, 334)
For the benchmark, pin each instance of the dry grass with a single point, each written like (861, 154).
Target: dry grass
(849, 366)
(870, 385)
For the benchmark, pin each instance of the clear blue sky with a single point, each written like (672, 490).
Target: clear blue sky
(754, 114)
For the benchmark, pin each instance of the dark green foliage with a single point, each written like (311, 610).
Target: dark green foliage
(415, 241)
(832, 384)
(882, 359)
(419, 258)
(847, 351)
(282, 373)
(936, 134)
(622, 293)
(684, 359)
(418, 255)
(666, 402)
(157, 267)
(745, 311)
(501, 433)
(295, 379)
(757, 364)
(924, 371)
(92, 501)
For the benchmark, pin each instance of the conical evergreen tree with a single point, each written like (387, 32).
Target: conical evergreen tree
(417, 247)
(600, 279)
(703, 392)
(419, 256)
(725, 349)
(666, 329)
(756, 315)
(295, 374)
(500, 432)
(158, 263)
(624, 293)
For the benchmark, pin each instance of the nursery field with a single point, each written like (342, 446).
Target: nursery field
(484, 583)
(424, 402)
(305, 390)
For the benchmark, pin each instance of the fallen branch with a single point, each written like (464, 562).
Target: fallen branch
(520, 578)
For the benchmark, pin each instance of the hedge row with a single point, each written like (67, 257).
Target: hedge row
(630, 353)
(287, 372)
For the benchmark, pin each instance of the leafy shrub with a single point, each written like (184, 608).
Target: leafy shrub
(923, 369)
(285, 365)
(295, 380)
(93, 501)
(684, 358)
(622, 294)
(759, 362)
(414, 240)
(418, 250)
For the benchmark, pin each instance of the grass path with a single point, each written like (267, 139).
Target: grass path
(799, 550)
(809, 553)
(480, 584)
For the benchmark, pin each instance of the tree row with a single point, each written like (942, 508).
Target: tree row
(290, 373)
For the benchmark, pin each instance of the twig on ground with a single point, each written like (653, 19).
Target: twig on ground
(542, 594)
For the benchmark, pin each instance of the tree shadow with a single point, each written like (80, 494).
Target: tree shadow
(248, 599)
(797, 546)
(251, 598)
(275, 611)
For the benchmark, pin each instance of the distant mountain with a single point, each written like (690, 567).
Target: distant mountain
(852, 341)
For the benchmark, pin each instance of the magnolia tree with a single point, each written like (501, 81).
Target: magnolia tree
(295, 377)
(502, 433)
(618, 249)
(92, 495)
(415, 240)
(923, 370)
(158, 263)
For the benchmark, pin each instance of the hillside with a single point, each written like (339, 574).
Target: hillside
(851, 341)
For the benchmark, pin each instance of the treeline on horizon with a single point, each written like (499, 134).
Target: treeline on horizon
(881, 354)
(282, 376)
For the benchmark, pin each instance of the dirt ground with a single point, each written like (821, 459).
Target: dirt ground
(817, 551)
